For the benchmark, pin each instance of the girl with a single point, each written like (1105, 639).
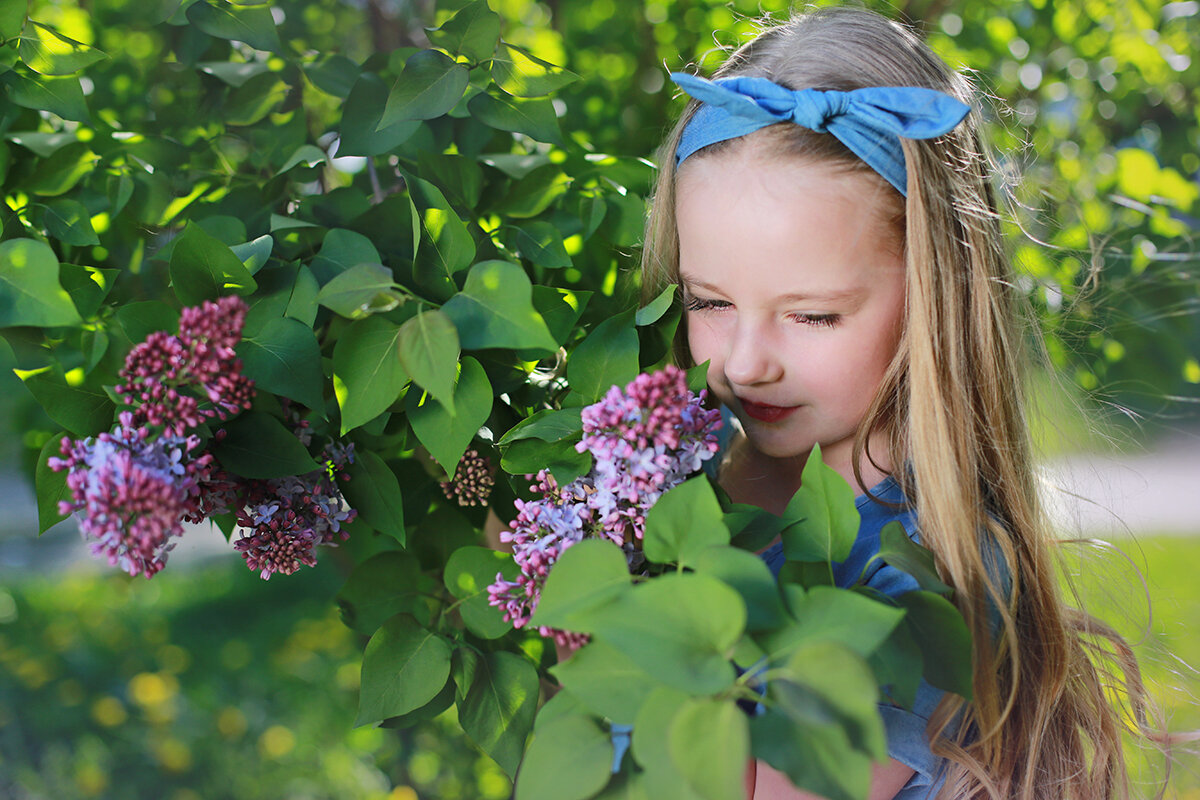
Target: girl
(840, 258)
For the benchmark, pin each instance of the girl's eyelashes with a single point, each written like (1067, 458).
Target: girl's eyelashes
(818, 320)
(700, 304)
(815, 320)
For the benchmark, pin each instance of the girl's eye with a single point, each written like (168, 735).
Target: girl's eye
(818, 320)
(700, 304)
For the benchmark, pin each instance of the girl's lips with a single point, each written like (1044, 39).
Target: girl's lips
(765, 413)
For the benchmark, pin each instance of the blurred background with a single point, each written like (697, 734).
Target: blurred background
(210, 683)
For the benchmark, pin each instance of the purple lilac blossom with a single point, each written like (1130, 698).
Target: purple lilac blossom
(164, 374)
(644, 441)
(134, 493)
(286, 519)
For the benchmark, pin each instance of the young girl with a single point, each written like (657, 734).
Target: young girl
(839, 252)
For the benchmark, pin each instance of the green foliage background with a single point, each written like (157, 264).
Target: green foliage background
(149, 144)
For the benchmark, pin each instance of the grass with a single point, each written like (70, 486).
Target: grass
(1159, 619)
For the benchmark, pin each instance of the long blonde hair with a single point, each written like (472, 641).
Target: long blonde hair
(1041, 723)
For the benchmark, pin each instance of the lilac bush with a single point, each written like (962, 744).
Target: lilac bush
(644, 440)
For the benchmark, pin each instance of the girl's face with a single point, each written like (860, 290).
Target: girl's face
(793, 282)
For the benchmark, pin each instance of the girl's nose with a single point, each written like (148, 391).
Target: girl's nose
(752, 359)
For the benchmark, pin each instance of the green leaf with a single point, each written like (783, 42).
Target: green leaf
(826, 613)
(535, 192)
(404, 667)
(527, 456)
(47, 51)
(360, 291)
(468, 573)
(459, 178)
(451, 243)
(30, 293)
(549, 425)
(253, 25)
(607, 357)
(447, 436)
(709, 743)
(379, 588)
(940, 631)
(88, 286)
(251, 102)
(843, 683)
(254, 254)
(560, 308)
(60, 174)
(234, 73)
(12, 17)
(429, 350)
(302, 304)
(360, 131)
(429, 86)
(587, 576)
(144, 317)
(307, 154)
(43, 144)
(120, 190)
(542, 243)
(650, 745)
(61, 96)
(606, 681)
(534, 118)
(495, 309)
(522, 74)
(569, 758)
(367, 375)
(653, 311)
(471, 33)
(753, 528)
(333, 74)
(816, 757)
(680, 628)
(257, 445)
(70, 223)
(51, 486)
(285, 359)
(750, 576)
(686, 521)
(497, 710)
(203, 268)
(898, 667)
(340, 250)
(374, 492)
(822, 520)
(901, 552)
(81, 410)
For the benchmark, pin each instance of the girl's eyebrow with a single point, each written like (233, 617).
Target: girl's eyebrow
(842, 295)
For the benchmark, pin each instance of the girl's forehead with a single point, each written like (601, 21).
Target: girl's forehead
(782, 227)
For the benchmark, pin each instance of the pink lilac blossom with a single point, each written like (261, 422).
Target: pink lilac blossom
(134, 493)
(163, 375)
(286, 519)
(644, 441)
(472, 482)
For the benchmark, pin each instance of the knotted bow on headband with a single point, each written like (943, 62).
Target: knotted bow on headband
(868, 121)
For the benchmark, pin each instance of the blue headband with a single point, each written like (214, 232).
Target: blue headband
(868, 121)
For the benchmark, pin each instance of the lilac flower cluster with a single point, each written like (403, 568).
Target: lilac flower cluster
(134, 492)
(134, 488)
(472, 482)
(164, 374)
(285, 519)
(643, 440)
